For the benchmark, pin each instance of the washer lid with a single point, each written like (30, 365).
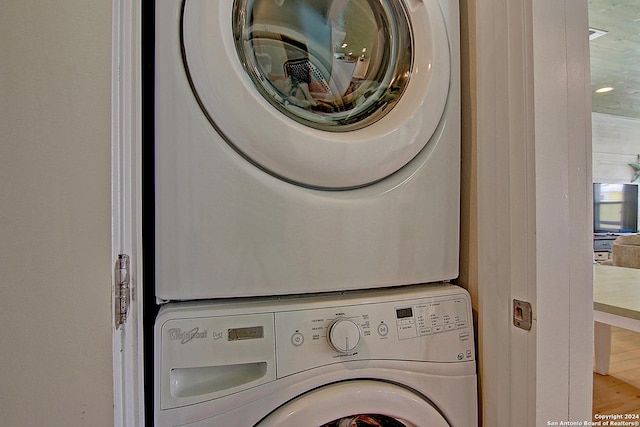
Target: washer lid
(329, 94)
(360, 403)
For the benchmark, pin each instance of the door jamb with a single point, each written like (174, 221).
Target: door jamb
(126, 190)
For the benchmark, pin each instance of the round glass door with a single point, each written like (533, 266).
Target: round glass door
(332, 65)
(357, 403)
(327, 94)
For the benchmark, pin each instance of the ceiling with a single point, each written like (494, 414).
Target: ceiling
(615, 56)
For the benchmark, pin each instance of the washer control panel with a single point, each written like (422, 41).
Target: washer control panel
(205, 351)
(435, 329)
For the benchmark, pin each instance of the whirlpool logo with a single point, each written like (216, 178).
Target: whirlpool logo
(177, 334)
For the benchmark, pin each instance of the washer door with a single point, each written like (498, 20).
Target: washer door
(361, 403)
(330, 94)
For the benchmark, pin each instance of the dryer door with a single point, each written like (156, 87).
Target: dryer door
(329, 94)
(361, 403)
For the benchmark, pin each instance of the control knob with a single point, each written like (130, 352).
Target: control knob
(344, 335)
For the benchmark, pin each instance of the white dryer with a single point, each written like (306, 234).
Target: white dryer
(305, 146)
(394, 358)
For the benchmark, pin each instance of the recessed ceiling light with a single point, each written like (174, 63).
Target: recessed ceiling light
(604, 89)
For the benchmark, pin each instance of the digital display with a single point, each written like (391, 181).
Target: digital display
(402, 313)
(250, 333)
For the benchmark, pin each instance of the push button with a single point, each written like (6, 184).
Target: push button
(383, 329)
(297, 339)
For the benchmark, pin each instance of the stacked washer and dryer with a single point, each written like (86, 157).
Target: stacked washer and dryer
(307, 160)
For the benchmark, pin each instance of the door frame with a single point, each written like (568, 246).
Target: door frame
(539, 136)
(530, 207)
(126, 195)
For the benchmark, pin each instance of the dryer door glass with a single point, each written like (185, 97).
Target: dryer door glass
(332, 65)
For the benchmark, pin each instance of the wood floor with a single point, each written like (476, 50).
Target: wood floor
(619, 392)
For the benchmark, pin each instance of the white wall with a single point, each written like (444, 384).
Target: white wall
(55, 237)
(616, 143)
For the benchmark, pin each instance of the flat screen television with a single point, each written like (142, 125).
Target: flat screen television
(615, 208)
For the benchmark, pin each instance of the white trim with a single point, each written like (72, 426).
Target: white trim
(563, 194)
(533, 187)
(506, 211)
(128, 368)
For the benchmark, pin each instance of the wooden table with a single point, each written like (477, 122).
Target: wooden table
(616, 302)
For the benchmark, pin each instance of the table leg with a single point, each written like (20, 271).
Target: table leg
(602, 339)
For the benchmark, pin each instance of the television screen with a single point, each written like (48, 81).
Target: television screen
(615, 208)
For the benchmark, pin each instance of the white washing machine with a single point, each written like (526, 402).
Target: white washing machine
(305, 146)
(403, 357)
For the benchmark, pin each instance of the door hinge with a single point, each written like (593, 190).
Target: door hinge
(122, 290)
